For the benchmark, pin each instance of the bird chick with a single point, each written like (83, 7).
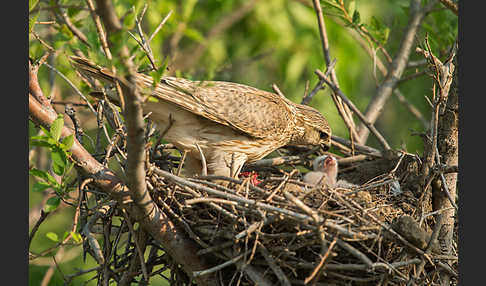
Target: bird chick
(325, 169)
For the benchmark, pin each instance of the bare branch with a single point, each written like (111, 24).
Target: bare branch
(368, 124)
(451, 6)
(398, 65)
(343, 110)
(175, 241)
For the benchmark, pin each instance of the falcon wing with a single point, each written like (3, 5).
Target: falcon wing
(255, 112)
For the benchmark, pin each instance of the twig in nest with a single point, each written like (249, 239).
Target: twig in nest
(321, 262)
(218, 267)
(271, 262)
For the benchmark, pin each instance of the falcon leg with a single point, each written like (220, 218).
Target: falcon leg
(226, 164)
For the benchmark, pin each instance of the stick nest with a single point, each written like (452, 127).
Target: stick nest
(295, 234)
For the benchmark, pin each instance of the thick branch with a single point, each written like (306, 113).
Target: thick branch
(398, 65)
(162, 229)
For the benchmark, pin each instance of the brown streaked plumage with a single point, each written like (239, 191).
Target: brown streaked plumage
(231, 123)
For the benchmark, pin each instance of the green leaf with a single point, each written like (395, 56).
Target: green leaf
(118, 40)
(66, 33)
(40, 143)
(45, 176)
(93, 39)
(52, 204)
(52, 236)
(194, 35)
(56, 127)
(76, 236)
(32, 4)
(38, 173)
(187, 9)
(32, 21)
(129, 20)
(65, 235)
(356, 17)
(46, 132)
(157, 74)
(68, 142)
(40, 186)
(59, 161)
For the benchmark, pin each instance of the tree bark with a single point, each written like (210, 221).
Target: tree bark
(448, 146)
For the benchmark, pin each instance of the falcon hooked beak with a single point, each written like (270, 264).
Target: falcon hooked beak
(326, 146)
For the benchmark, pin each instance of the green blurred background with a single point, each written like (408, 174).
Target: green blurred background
(251, 42)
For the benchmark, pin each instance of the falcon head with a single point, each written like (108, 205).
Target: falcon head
(313, 128)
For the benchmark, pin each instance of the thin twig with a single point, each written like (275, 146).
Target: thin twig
(218, 267)
(368, 124)
(159, 27)
(342, 109)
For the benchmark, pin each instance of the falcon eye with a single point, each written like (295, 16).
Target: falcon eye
(323, 135)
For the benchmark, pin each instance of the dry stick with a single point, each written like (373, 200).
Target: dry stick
(231, 196)
(159, 26)
(49, 48)
(443, 77)
(233, 180)
(143, 42)
(112, 25)
(355, 252)
(398, 65)
(73, 86)
(218, 267)
(320, 85)
(134, 118)
(175, 241)
(321, 262)
(451, 6)
(273, 265)
(444, 183)
(63, 15)
(428, 250)
(412, 109)
(368, 124)
(43, 216)
(137, 246)
(48, 275)
(342, 109)
(357, 147)
(92, 241)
